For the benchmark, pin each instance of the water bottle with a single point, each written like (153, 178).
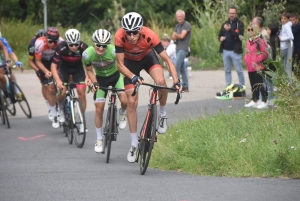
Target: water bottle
(8, 87)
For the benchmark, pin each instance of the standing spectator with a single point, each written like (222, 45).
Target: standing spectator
(286, 43)
(272, 31)
(231, 36)
(259, 22)
(182, 36)
(296, 32)
(170, 48)
(257, 52)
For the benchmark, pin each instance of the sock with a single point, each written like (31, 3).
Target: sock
(122, 111)
(99, 133)
(163, 111)
(134, 139)
(61, 106)
(48, 105)
(53, 111)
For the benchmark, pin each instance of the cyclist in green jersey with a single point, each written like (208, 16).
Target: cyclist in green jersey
(102, 57)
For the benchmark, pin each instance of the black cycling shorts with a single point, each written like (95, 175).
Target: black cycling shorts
(148, 63)
(77, 73)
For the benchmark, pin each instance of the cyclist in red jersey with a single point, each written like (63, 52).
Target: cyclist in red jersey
(135, 45)
(44, 48)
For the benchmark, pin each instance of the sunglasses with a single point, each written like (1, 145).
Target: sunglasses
(250, 29)
(100, 45)
(128, 33)
(72, 45)
(52, 41)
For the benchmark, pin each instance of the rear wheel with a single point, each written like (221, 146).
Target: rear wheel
(21, 99)
(79, 124)
(146, 144)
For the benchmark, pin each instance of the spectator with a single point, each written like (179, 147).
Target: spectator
(286, 43)
(296, 32)
(272, 31)
(256, 53)
(181, 36)
(231, 36)
(170, 48)
(258, 21)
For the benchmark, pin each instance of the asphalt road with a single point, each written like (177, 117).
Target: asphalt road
(37, 163)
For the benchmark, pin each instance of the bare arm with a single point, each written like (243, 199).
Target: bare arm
(182, 35)
(14, 57)
(32, 65)
(59, 83)
(4, 49)
(170, 66)
(121, 66)
(90, 74)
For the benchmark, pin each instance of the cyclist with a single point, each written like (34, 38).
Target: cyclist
(8, 63)
(102, 57)
(134, 51)
(68, 59)
(31, 62)
(44, 49)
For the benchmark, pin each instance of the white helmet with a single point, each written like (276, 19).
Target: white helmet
(72, 36)
(132, 21)
(101, 36)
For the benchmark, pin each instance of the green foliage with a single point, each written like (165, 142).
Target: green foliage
(273, 11)
(244, 144)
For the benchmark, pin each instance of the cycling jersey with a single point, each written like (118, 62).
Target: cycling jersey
(104, 65)
(66, 58)
(43, 52)
(147, 40)
(31, 48)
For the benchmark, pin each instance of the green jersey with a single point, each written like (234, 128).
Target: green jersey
(104, 65)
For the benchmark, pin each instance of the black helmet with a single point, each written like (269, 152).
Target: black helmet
(40, 33)
(52, 33)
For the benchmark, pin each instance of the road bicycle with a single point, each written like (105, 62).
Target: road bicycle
(110, 130)
(16, 94)
(147, 135)
(3, 109)
(74, 116)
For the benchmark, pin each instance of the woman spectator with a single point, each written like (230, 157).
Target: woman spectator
(256, 53)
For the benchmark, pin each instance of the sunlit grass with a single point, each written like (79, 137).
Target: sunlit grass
(243, 144)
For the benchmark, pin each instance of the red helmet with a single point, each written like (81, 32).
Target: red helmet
(52, 33)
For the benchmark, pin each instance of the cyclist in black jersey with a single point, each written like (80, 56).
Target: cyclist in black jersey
(66, 62)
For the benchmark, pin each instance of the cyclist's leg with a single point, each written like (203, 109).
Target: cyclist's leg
(79, 76)
(123, 100)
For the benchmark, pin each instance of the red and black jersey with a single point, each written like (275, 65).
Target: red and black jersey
(148, 39)
(65, 57)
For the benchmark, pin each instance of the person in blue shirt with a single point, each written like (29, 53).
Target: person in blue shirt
(296, 32)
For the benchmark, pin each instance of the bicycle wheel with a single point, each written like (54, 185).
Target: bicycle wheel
(20, 98)
(3, 108)
(79, 121)
(11, 95)
(146, 144)
(110, 131)
(70, 125)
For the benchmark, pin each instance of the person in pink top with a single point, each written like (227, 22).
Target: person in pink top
(256, 53)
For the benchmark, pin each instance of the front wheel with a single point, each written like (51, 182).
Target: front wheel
(147, 142)
(3, 113)
(19, 97)
(79, 123)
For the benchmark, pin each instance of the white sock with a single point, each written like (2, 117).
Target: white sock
(134, 139)
(61, 106)
(48, 105)
(122, 111)
(163, 111)
(53, 111)
(99, 133)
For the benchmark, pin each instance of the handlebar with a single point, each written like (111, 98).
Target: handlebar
(113, 89)
(71, 84)
(157, 87)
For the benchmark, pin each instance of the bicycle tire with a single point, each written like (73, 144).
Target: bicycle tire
(66, 123)
(70, 127)
(146, 144)
(23, 103)
(11, 92)
(110, 131)
(79, 138)
(4, 117)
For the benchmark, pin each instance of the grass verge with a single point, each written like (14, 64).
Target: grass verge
(243, 144)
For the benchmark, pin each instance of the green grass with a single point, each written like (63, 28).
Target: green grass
(237, 145)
